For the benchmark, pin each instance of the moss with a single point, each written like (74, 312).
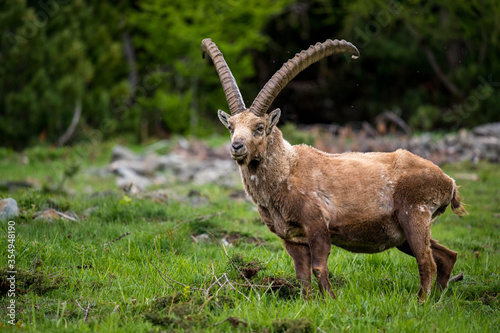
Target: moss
(248, 267)
(176, 312)
(29, 281)
(299, 325)
(283, 287)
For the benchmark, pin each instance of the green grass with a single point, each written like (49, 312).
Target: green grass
(66, 267)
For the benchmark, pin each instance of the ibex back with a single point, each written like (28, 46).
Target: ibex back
(361, 202)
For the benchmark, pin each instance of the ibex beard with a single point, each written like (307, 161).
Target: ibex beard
(361, 202)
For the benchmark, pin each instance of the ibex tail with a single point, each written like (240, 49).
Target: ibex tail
(456, 204)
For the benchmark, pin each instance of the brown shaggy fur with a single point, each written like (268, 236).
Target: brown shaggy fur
(361, 202)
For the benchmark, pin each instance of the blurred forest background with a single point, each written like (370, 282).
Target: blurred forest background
(134, 68)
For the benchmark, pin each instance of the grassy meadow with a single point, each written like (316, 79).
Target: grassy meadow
(148, 264)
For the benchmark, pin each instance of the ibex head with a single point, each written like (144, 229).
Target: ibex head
(249, 134)
(251, 127)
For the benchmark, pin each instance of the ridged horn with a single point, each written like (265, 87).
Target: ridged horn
(294, 66)
(233, 96)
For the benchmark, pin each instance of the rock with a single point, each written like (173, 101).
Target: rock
(196, 198)
(8, 209)
(99, 172)
(122, 153)
(160, 196)
(128, 177)
(492, 129)
(466, 176)
(146, 166)
(221, 172)
(200, 238)
(173, 161)
(191, 161)
(89, 211)
(52, 214)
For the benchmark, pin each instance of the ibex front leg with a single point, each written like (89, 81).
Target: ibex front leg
(302, 260)
(320, 245)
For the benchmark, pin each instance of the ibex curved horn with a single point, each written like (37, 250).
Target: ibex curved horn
(294, 66)
(233, 96)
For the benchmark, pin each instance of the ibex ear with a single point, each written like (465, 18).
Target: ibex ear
(224, 118)
(274, 117)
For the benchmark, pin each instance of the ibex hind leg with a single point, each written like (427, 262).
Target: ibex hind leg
(443, 257)
(416, 227)
(445, 260)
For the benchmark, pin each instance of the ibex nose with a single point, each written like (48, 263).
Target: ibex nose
(237, 145)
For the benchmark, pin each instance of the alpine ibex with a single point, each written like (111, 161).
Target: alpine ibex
(361, 202)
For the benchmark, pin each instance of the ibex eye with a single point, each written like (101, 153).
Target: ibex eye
(259, 131)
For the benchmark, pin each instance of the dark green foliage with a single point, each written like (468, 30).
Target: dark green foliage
(55, 54)
(434, 61)
(170, 34)
(137, 70)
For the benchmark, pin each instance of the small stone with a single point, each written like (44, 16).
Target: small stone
(52, 214)
(87, 212)
(129, 177)
(47, 215)
(122, 153)
(8, 209)
(467, 176)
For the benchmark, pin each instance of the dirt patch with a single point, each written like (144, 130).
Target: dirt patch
(299, 325)
(282, 287)
(176, 312)
(337, 281)
(245, 268)
(181, 312)
(235, 239)
(234, 321)
(29, 281)
(487, 296)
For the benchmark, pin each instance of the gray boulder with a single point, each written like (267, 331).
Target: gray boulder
(492, 129)
(8, 209)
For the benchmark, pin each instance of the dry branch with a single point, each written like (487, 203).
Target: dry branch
(35, 261)
(84, 310)
(431, 58)
(117, 239)
(222, 281)
(71, 129)
(235, 266)
(66, 216)
(165, 275)
(458, 277)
